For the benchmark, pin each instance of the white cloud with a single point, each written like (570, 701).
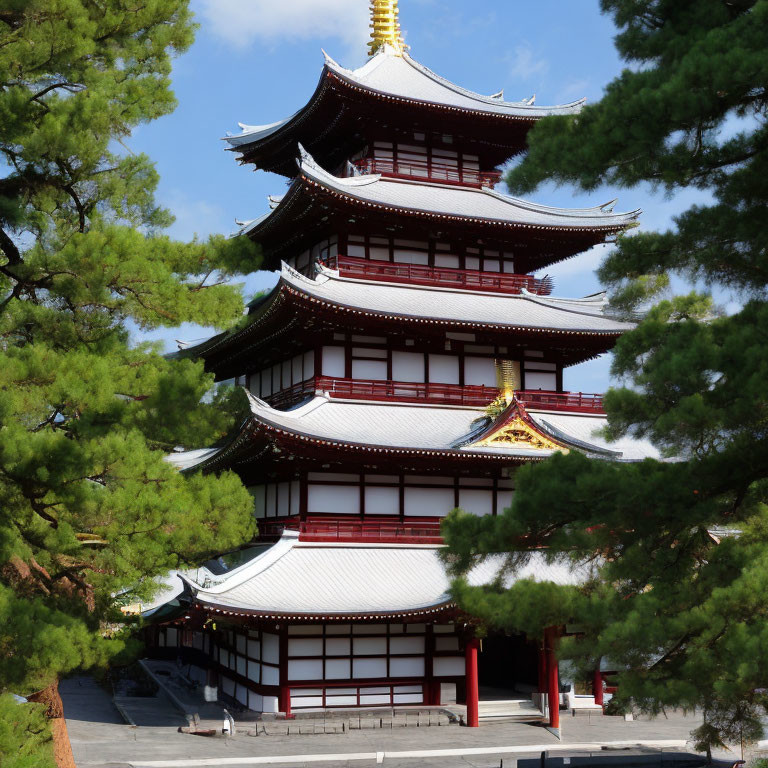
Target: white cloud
(243, 22)
(524, 63)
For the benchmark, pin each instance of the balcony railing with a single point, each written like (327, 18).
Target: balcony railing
(407, 391)
(420, 392)
(574, 402)
(427, 532)
(429, 171)
(418, 274)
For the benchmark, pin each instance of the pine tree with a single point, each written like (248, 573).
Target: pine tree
(90, 508)
(679, 602)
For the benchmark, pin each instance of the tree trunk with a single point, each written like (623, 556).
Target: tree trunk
(62, 749)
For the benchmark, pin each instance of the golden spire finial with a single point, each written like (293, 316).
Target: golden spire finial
(385, 27)
(508, 378)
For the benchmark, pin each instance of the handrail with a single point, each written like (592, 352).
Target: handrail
(419, 274)
(575, 402)
(430, 392)
(407, 391)
(428, 170)
(357, 530)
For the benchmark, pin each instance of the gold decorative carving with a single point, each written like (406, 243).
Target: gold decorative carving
(385, 27)
(518, 433)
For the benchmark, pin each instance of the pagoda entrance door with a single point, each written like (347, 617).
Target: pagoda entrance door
(507, 669)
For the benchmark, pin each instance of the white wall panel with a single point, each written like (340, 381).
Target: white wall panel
(333, 499)
(259, 500)
(369, 369)
(337, 669)
(406, 666)
(480, 371)
(402, 256)
(283, 499)
(305, 669)
(446, 260)
(338, 646)
(309, 364)
(444, 369)
(333, 361)
(503, 501)
(406, 645)
(255, 701)
(305, 646)
(408, 698)
(382, 501)
(270, 675)
(369, 646)
(270, 650)
(428, 501)
(269, 704)
(365, 668)
(448, 666)
(546, 381)
(340, 701)
(297, 373)
(376, 698)
(254, 671)
(271, 499)
(408, 366)
(298, 702)
(476, 502)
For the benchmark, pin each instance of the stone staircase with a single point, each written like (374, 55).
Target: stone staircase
(503, 710)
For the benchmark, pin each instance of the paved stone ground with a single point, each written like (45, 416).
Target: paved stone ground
(101, 739)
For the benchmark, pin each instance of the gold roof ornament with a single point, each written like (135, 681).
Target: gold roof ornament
(513, 428)
(517, 433)
(385, 27)
(508, 378)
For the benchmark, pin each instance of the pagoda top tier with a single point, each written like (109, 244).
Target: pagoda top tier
(392, 97)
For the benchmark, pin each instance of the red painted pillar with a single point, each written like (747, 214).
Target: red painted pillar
(553, 686)
(473, 695)
(284, 702)
(597, 686)
(542, 657)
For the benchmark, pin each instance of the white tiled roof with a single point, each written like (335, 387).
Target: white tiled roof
(584, 430)
(391, 425)
(189, 459)
(404, 78)
(450, 200)
(524, 311)
(416, 427)
(294, 578)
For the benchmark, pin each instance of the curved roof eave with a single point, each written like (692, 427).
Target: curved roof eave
(456, 97)
(521, 213)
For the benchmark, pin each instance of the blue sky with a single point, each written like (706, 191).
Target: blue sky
(257, 61)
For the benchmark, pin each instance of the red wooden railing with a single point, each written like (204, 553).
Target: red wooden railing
(426, 532)
(407, 391)
(418, 274)
(399, 391)
(426, 170)
(419, 392)
(574, 402)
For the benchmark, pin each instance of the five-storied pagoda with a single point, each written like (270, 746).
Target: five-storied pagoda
(405, 306)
